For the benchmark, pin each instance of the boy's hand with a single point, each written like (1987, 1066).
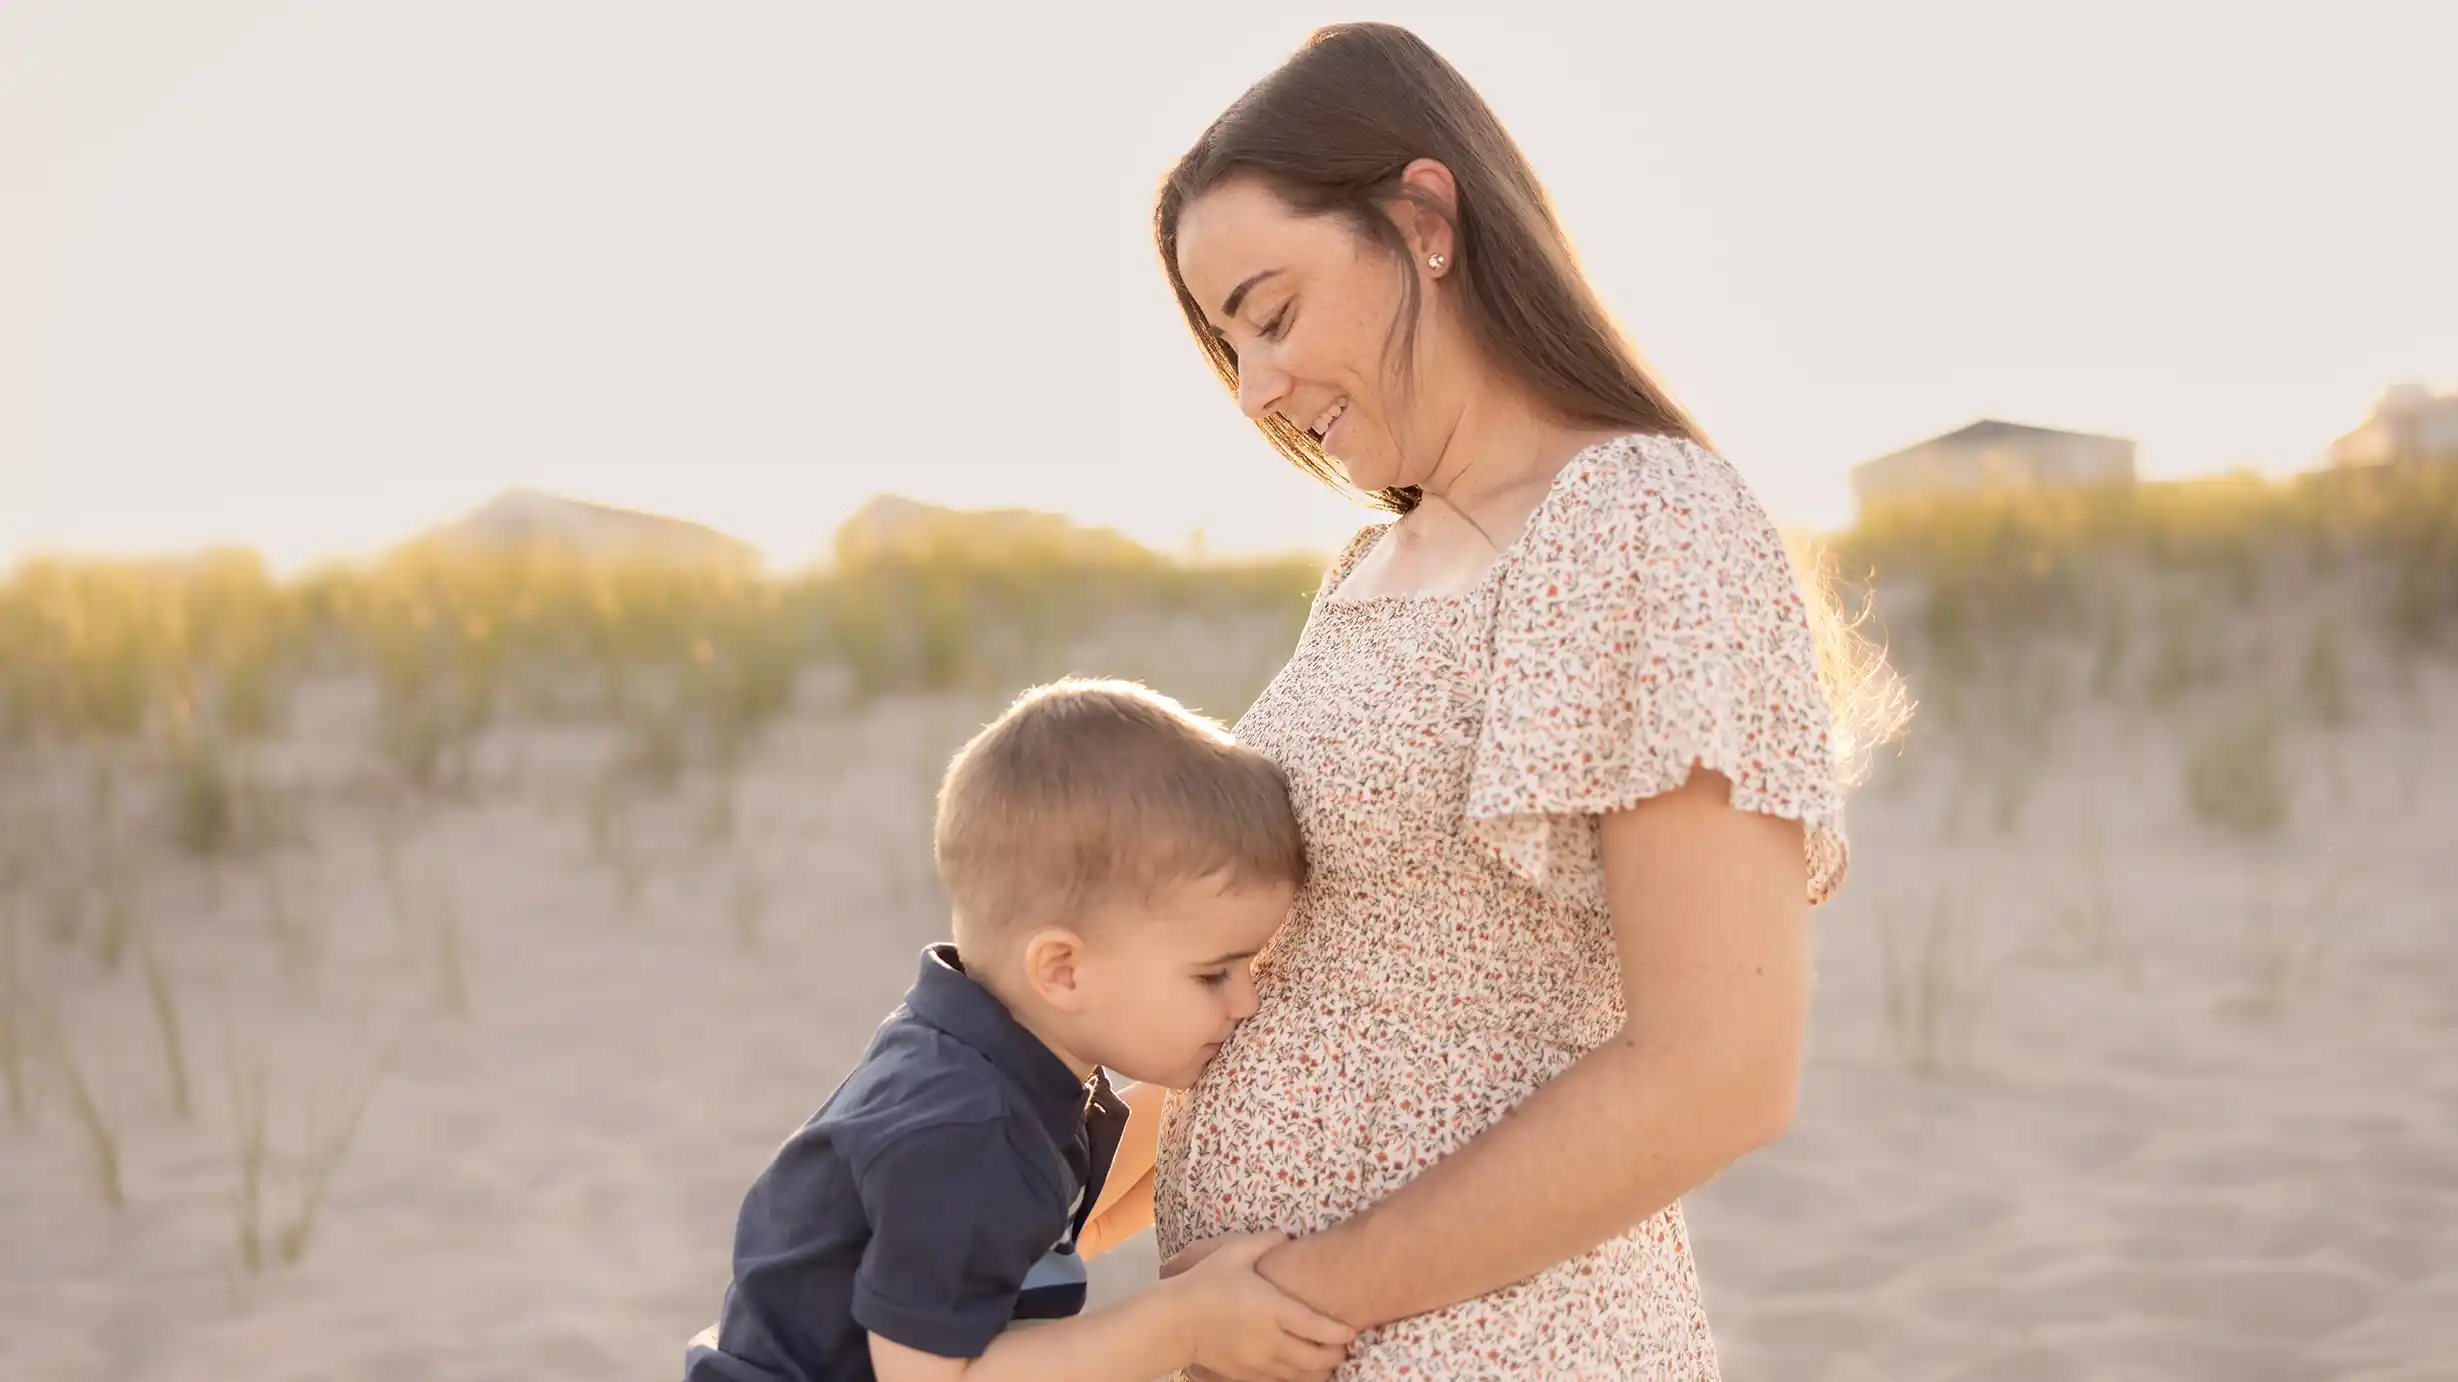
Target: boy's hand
(1186, 1259)
(1244, 1328)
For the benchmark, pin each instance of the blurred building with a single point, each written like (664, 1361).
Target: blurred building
(526, 519)
(888, 524)
(2409, 423)
(1993, 455)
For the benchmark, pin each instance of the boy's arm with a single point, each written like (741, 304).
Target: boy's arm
(957, 1223)
(1144, 1336)
(1220, 1317)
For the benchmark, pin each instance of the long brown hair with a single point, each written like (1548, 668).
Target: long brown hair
(1330, 132)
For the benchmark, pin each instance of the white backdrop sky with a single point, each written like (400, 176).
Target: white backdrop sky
(308, 277)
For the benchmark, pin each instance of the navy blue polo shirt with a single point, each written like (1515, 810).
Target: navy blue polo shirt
(934, 1199)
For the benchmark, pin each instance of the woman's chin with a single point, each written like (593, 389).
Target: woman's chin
(1367, 476)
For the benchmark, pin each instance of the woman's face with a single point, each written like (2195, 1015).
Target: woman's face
(1309, 306)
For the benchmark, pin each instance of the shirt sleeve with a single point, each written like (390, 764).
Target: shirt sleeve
(957, 1221)
(1655, 624)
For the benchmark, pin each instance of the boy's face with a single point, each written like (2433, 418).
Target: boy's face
(1164, 982)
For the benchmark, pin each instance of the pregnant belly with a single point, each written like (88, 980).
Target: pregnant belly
(1311, 1114)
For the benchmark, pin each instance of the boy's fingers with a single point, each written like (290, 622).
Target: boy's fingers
(1186, 1259)
(1317, 1358)
(1313, 1326)
(1244, 1250)
(1294, 1356)
(1304, 1362)
(1195, 1254)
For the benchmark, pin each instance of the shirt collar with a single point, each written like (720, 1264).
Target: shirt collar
(949, 999)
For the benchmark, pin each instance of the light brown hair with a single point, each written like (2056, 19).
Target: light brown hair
(1088, 792)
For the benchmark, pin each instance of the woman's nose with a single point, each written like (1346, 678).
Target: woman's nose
(1260, 388)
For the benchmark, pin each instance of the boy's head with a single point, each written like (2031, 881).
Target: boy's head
(1114, 861)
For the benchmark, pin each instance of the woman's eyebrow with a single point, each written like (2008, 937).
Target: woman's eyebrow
(1237, 295)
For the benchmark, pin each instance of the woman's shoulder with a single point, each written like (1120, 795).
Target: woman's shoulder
(1650, 499)
(1643, 475)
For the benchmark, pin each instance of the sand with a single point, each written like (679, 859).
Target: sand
(2190, 1108)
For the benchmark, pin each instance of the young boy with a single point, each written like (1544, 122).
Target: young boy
(1112, 863)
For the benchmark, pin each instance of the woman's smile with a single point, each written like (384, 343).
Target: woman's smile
(1329, 419)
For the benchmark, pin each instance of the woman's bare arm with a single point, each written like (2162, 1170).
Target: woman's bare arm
(1125, 1206)
(1711, 922)
(1122, 1218)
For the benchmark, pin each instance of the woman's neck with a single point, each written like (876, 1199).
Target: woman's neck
(1501, 442)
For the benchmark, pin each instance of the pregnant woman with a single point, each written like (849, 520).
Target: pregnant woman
(1566, 739)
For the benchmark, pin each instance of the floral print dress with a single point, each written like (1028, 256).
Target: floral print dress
(1450, 756)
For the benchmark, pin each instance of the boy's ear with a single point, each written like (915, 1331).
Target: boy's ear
(1053, 967)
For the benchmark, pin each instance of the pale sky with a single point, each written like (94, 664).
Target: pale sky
(307, 277)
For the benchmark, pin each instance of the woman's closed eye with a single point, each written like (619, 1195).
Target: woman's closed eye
(1278, 326)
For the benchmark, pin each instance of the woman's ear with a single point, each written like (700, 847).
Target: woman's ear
(1053, 968)
(1426, 211)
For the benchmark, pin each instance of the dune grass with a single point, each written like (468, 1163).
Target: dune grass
(2325, 678)
(2087, 930)
(451, 961)
(613, 840)
(696, 660)
(177, 668)
(93, 1121)
(2291, 943)
(2152, 604)
(168, 673)
(1929, 991)
(749, 906)
(165, 1005)
(2235, 776)
(297, 937)
(1993, 569)
(250, 1125)
(389, 828)
(16, 1014)
(325, 1146)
